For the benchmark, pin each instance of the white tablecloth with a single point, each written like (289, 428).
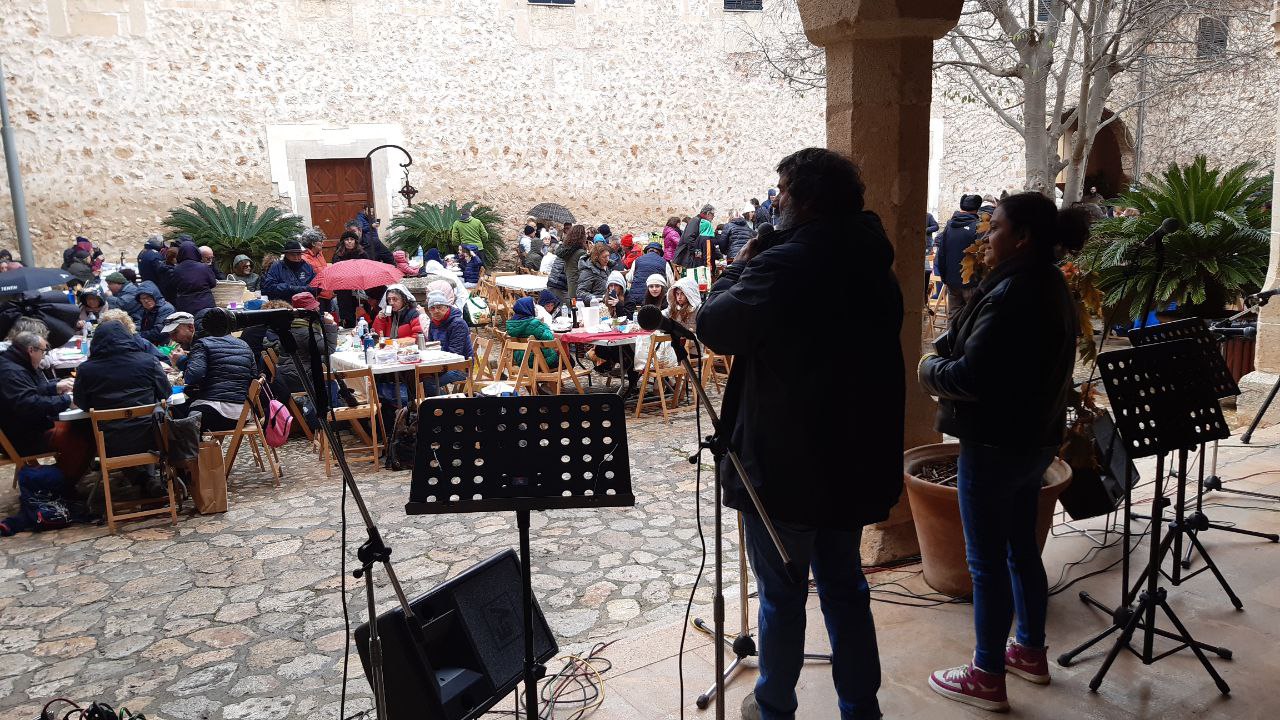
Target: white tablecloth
(523, 283)
(354, 360)
(78, 414)
(67, 357)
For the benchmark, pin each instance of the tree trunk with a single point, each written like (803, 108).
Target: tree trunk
(1037, 141)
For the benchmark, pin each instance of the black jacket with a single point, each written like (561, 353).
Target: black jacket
(819, 457)
(959, 234)
(118, 374)
(149, 261)
(220, 369)
(29, 403)
(735, 236)
(593, 281)
(1003, 370)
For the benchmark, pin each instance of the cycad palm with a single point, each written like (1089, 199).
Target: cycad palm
(428, 226)
(232, 231)
(1220, 252)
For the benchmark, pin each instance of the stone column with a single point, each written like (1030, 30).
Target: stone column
(879, 88)
(1266, 359)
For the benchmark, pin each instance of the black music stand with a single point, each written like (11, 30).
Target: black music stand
(1162, 405)
(521, 453)
(1223, 386)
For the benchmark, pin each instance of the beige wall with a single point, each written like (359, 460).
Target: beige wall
(627, 111)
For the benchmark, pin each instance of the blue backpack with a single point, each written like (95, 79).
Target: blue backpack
(40, 502)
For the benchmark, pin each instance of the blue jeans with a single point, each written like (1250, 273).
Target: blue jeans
(846, 608)
(431, 385)
(999, 493)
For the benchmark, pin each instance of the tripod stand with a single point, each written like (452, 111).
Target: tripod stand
(1160, 407)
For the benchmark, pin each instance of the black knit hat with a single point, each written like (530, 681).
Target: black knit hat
(969, 203)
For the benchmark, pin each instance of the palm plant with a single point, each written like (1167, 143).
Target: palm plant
(425, 226)
(1220, 252)
(231, 231)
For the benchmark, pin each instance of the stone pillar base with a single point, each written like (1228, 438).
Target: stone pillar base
(1254, 388)
(891, 540)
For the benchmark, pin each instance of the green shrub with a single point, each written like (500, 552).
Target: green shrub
(231, 231)
(424, 226)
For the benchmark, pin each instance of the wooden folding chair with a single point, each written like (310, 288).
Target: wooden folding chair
(654, 371)
(715, 368)
(248, 426)
(421, 374)
(562, 372)
(516, 374)
(108, 463)
(936, 307)
(362, 383)
(483, 354)
(18, 460)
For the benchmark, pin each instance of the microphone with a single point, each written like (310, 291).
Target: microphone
(1249, 331)
(651, 318)
(220, 321)
(1262, 297)
(1170, 225)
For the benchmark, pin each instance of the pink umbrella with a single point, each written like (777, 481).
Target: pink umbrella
(356, 275)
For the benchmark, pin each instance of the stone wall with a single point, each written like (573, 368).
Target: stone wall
(627, 111)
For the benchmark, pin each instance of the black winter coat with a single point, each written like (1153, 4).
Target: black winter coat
(817, 457)
(1003, 370)
(118, 374)
(735, 237)
(193, 281)
(148, 262)
(593, 281)
(29, 403)
(959, 234)
(220, 369)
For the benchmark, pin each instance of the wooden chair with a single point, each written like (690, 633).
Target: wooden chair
(271, 360)
(248, 426)
(936, 307)
(516, 374)
(715, 368)
(563, 371)
(19, 461)
(108, 463)
(486, 361)
(654, 371)
(420, 375)
(361, 382)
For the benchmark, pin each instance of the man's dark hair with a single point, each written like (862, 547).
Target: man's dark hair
(822, 182)
(969, 203)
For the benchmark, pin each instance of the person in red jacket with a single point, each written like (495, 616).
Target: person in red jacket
(400, 317)
(632, 249)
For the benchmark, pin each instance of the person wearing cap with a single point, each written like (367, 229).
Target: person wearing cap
(289, 275)
(650, 263)
(698, 233)
(526, 241)
(124, 294)
(548, 306)
(765, 214)
(735, 236)
(180, 331)
(242, 270)
(468, 230)
(655, 291)
(539, 248)
(192, 280)
(446, 327)
(524, 323)
(153, 313)
(949, 247)
(206, 257)
(472, 265)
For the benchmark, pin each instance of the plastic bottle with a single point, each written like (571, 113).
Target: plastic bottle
(362, 329)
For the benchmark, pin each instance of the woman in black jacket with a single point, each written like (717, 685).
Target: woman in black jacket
(1001, 375)
(349, 248)
(218, 372)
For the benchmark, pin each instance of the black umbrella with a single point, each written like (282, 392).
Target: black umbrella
(553, 212)
(24, 279)
(52, 309)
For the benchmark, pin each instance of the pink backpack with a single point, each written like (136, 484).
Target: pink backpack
(278, 423)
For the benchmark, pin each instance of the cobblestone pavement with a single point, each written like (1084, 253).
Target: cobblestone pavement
(240, 615)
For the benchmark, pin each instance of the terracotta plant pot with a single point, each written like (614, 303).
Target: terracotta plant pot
(937, 517)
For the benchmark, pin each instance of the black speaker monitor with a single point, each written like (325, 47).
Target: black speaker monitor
(475, 644)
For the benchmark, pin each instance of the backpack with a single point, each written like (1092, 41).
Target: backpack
(278, 422)
(40, 502)
(402, 447)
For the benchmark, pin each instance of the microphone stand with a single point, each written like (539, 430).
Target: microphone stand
(717, 443)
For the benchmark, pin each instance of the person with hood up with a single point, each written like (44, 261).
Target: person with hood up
(683, 301)
(472, 265)
(790, 435)
(960, 233)
(402, 264)
(449, 329)
(737, 232)
(289, 275)
(91, 306)
(618, 306)
(193, 281)
(593, 274)
(124, 294)
(650, 263)
(698, 235)
(151, 258)
(217, 374)
(468, 230)
(563, 277)
(524, 323)
(399, 317)
(153, 313)
(120, 373)
(432, 262)
(539, 248)
(549, 306)
(242, 270)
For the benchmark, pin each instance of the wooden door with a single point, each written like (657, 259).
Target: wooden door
(339, 190)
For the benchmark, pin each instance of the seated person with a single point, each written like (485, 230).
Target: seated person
(655, 291)
(29, 407)
(432, 263)
(449, 329)
(523, 324)
(472, 264)
(242, 270)
(217, 374)
(124, 294)
(549, 306)
(261, 338)
(618, 306)
(179, 332)
(683, 301)
(153, 313)
(402, 264)
(399, 317)
(300, 329)
(91, 306)
(119, 374)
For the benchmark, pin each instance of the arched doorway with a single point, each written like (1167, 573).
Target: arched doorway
(1110, 165)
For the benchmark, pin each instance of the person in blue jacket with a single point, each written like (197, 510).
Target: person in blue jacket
(449, 329)
(472, 264)
(289, 275)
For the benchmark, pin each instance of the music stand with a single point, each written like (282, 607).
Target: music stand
(522, 454)
(1162, 404)
(1223, 386)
